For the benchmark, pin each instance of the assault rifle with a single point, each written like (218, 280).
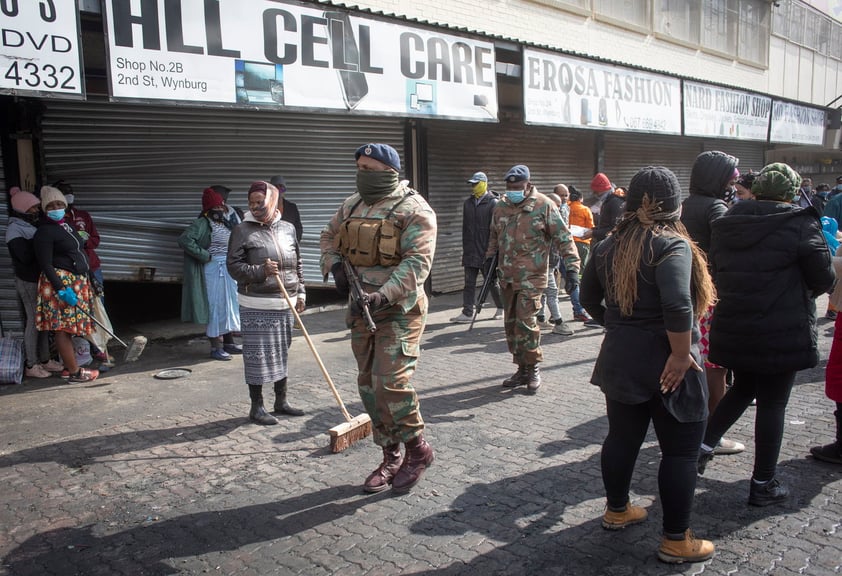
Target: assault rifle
(490, 274)
(358, 294)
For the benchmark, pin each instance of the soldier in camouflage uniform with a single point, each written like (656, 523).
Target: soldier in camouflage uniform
(394, 287)
(525, 228)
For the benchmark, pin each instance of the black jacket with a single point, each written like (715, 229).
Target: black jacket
(59, 246)
(610, 212)
(769, 261)
(476, 228)
(711, 173)
(635, 348)
(289, 213)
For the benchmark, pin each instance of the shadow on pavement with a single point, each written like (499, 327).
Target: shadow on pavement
(551, 511)
(84, 451)
(146, 548)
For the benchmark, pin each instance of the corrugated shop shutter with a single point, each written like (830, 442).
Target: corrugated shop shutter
(455, 150)
(752, 155)
(140, 170)
(11, 313)
(626, 153)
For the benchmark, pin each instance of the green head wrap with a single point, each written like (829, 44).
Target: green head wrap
(776, 182)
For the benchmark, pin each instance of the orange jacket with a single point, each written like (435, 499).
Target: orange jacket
(580, 215)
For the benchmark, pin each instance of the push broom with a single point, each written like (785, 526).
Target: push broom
(133, 350)
(354, 428)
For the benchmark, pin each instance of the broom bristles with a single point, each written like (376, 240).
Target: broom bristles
(135, 349)
(344, 435)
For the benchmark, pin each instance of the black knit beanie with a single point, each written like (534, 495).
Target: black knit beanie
(659, 184)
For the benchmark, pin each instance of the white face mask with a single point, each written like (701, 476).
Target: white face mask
(70, 198)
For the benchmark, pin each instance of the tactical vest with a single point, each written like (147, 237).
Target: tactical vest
(367, 241)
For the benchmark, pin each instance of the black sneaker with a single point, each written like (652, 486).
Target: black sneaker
(772, 492)
(828, 453)
(704, 459)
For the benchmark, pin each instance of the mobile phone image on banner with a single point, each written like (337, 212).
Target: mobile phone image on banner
(259, 82)
(421, 97)
(343, 46)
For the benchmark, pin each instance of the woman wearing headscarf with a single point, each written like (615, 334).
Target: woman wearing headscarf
(19, 240)
(262, 249)
(770, 262)
(210, 294)
(64, 294)
(655, 285)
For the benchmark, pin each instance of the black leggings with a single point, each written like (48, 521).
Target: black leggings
(772, 394)
(679, 442)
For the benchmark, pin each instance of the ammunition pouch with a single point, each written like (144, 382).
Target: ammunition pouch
(371, 241)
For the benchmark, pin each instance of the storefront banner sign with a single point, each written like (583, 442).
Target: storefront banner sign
(40, 48)
(270, 53)
(796, 124)
(725, 113)
(562, 90)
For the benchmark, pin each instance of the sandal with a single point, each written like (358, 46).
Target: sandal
(84, 375)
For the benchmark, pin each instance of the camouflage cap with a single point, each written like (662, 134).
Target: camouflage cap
(776, 181)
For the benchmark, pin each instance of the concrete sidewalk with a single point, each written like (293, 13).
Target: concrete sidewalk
(134, 475)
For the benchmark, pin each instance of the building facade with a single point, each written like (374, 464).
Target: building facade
(141, 105)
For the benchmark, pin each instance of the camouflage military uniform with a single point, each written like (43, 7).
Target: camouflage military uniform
(386, 359)
(523, 235)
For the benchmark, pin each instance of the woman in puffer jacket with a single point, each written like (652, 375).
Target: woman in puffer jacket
(769, 261)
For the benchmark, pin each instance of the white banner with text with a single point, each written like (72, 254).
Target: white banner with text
(561, 90)
(270, 53)
(41, 53)
(796, 124)
(725, 113)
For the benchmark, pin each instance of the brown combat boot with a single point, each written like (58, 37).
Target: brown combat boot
(382, 477)
(688, 549)
(516, 379)
(532, 378)
(419, 457)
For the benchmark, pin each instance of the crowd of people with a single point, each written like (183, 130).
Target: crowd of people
(707, 304)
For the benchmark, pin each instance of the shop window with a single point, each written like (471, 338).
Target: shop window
(630, 12)
(797, 13)
(678, 20)
(719, 26)
(823, 36)
(780, 18)
(836, 41)
(811, 29)
(754, 32)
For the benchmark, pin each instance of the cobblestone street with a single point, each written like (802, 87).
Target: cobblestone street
(137, 476)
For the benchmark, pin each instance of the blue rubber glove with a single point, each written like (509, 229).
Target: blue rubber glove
(68, 296)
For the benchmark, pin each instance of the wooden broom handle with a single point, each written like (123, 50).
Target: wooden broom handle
(313, 349)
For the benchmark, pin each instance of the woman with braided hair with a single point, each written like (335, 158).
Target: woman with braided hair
(655, 284)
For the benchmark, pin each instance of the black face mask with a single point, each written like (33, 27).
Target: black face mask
(30, 218)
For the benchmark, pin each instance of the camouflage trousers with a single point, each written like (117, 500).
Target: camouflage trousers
(386, 362)
(522, 332)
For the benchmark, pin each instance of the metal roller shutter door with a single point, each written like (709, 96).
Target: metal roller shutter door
(11, 313)
(626, 153)
(752, 155)
(455, 150)
(140, 170)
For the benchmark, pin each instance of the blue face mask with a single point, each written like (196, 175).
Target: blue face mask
(515, 196)
(55, 215)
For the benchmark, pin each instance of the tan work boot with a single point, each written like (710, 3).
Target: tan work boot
(382, 477)
(688, 549)
(618, 520)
